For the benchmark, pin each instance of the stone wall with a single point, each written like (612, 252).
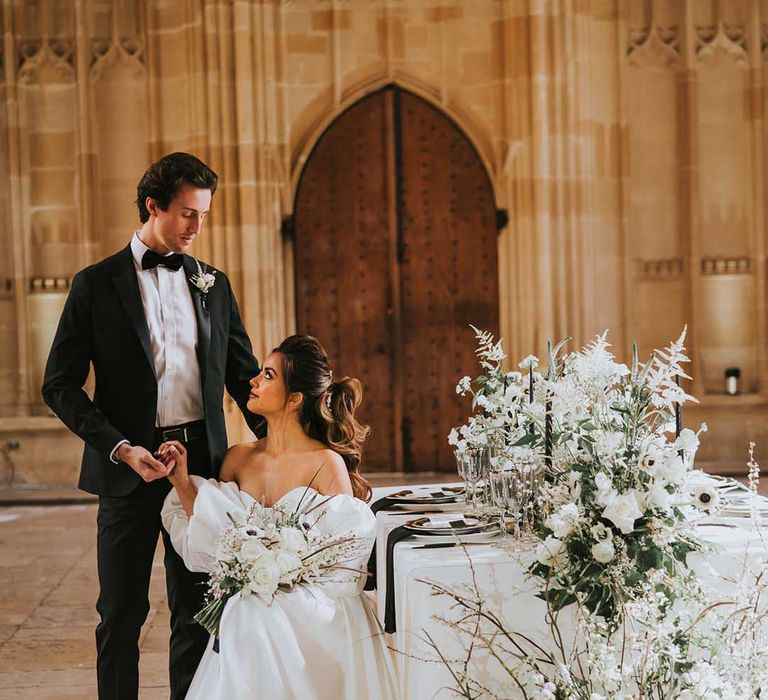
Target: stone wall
(625, 138)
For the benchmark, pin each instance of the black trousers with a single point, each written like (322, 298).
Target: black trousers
(128, 530)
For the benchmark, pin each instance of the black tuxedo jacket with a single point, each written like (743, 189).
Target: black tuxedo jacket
(103, 323)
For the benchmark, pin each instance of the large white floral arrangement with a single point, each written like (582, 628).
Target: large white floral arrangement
(612, 507)
(615, 536)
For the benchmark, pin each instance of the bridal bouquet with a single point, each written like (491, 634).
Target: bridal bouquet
(273, 549)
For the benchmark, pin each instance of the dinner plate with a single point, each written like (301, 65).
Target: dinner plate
(425, 497)
(423, 506)
(458, 525)
(484, 536)
(743, 508)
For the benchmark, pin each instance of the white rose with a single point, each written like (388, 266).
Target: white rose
(687, 441)
(551, 552)
(574, 484)
(293, 539)
(674, 469)
(604, 551)
(604, 487)
(251, 550)
(658, 496)
(600, 532)
(623, 510)
(290, 566)
(264, 576)
(564, 520)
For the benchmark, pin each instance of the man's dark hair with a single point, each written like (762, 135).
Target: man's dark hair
(164, 179)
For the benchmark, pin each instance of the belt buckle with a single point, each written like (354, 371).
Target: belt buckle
(179, 434)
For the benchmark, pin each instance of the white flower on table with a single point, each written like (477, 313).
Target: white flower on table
(601, 532)
(623, 510)
(574, 484)
(605, 491)
(564, 520)
(484, 402)
(658, 496)
(652, 459)
(604, 551)
(608, 442)
(706, 498)
(551, 552)
(687, 441)
(464, 385)
(673, 470)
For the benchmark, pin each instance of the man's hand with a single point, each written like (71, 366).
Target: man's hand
(142, 462)
(174, 456)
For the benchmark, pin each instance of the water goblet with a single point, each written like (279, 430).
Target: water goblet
(498, 481)
(469, 465)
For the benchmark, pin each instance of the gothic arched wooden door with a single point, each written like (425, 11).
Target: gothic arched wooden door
(395, 255)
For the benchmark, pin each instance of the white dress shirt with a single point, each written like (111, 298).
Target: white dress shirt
(172, 325)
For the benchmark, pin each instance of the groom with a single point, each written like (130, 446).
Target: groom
(163, 344)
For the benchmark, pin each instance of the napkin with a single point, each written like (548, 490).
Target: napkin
(447, 521)
(397, 534)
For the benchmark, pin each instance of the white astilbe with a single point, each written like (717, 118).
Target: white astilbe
(662, 372)
(491, 354)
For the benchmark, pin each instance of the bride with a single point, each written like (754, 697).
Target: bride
(318, 642)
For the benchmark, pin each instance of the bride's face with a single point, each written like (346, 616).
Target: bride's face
(268, 393)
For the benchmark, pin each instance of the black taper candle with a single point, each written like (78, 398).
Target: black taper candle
(530, 385)
(548, 433)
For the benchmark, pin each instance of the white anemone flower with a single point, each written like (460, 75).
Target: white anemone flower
(706, 498)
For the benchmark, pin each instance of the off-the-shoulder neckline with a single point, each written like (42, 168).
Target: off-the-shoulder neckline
(284, 496)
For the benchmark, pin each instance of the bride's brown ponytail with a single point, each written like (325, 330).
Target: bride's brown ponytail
(343, 433)
(328, 410)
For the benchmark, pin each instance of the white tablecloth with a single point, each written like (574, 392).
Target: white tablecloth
(501, 580)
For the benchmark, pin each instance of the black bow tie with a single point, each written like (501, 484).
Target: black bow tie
(151, 260)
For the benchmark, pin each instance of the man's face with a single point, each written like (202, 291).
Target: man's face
(177, 227)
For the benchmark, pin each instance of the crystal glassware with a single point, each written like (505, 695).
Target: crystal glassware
(469, 464)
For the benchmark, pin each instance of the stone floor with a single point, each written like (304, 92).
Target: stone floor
(48, 592)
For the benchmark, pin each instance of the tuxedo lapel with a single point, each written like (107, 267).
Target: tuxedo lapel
(203, 318)
(127, 286)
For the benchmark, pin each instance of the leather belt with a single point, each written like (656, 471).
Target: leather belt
(183, 433)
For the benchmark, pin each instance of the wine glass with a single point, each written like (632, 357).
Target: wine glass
(499, 487)
(470, 467)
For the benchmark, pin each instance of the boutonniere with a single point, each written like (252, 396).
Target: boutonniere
(203, 281)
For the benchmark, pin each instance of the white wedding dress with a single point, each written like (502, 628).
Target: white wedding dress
(320, 642)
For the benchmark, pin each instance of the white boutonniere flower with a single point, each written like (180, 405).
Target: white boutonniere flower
(203, 280)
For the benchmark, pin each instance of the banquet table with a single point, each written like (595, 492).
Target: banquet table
(499, 577)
